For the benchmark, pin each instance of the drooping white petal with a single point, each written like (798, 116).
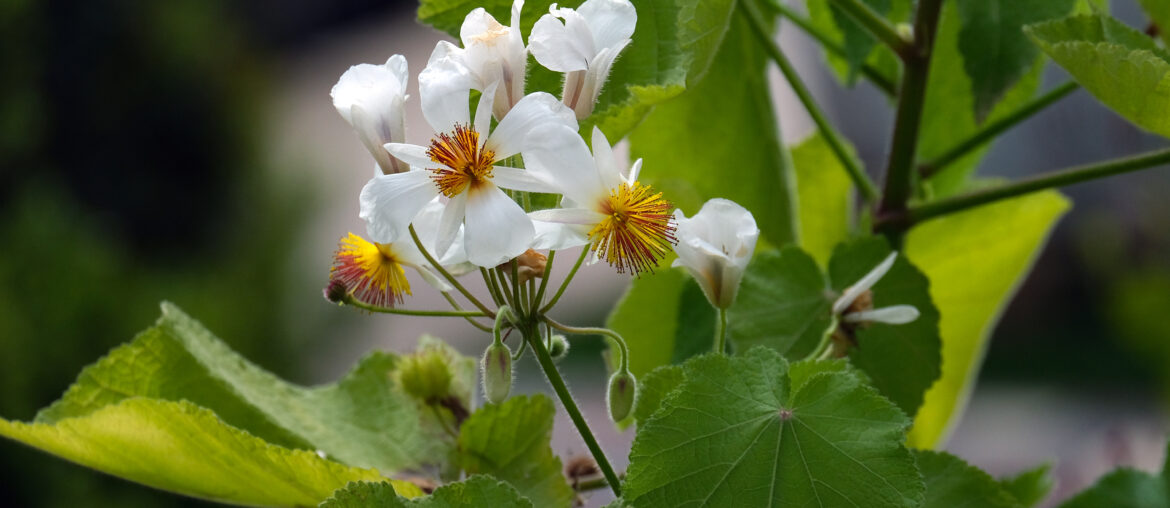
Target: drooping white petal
(450, 223)
(559, 155)
(372, 99)
(852, 292)
(414, 155)
(522, 180)
(556, 236)
(495, 227)
(559, 47)
(535, 111)
(390, 202)
(893, 315)
(610, 21)
(715, 246)
(444, 88)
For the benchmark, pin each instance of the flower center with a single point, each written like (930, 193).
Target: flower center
(637, 231)
(466, 163)
(370, 271)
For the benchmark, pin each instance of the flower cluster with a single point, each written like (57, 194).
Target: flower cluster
(460, 195)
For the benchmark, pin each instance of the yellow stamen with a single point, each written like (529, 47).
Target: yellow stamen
(370, 271)
(466, 163)
(637, 231)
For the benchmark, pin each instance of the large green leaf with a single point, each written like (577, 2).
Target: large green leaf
(1126, 488)
(1159, 12)
(951, 482)
(975, 260)
(824, 198)
(653, 389)
(1122, 67)
(784, 303)
(510, 441)
(180, 447)
(473, 492)
(738, 433)
(720, 139)
(672, 46)
(996, 53)
(902, 361)
(949, 111)
(363, 420)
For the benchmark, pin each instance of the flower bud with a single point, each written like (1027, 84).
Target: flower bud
(559, 348)
(529, 265)
(426, 376)
(497, 372)
(620, 398)
(715, 247)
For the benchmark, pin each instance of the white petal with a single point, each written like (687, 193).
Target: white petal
(449, 224)
(610, 21)
(895, 315)
(716, 245)
(556, 236)
(369, 130)
(607, 167)
(852, 292)
(483, 110)
(496, 228)
(559, 155)
(554, 46)
(433, 279)
(594, 80)
(397, 65)
(522, 180)
(444, 88)
(390, 202)
(371, 86)
(577, 216)
(635, 170)
(535, 111)
(414, 155)
(475, 25)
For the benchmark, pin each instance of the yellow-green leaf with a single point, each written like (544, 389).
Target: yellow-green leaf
(824, 198)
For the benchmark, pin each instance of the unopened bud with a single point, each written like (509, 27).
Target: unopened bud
(620, 398)
(905, 30)
(559, 347)
(336, 291)
(426, 376)
(497, 373)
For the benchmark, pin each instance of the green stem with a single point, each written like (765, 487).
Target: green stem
(623, 363)
(489, 281)
(455, 305)
(548, 264)
(447, 275)
(875, 76)
(900, 170)
(824, 345)
(503, 280)
(591, 484)
(721, 332)
(504, 314)
(350, 300)
(565, 283)
(517, 302)
(835, 141)
(562, 391)
(877, 25)
(993, 129)
(915, 215)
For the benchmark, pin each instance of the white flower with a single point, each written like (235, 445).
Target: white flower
(629, 224)
(461, 166)
(715, 246)
(491, 53)
(371, 99)
(584, 47)
(893, 315)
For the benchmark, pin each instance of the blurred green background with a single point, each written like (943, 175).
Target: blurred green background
(132, 171)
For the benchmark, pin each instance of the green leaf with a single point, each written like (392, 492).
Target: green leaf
(510, 441)
(473, 492)
(648, 317)
(824, 196)
(884, 350)
(857, 42)
(180, 447)
(1159, 13)
(975, 260)
(363, 420)
(952, 482)
(784, 303)
(1126, 488)
(737, 434)
(720, 139)
(1030, 487)
(996, 53)
(949, 110)
(653, 389)
(1122, 67)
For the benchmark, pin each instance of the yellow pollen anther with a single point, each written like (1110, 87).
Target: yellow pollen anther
(465, 162)
(370, 271)
(637, 231)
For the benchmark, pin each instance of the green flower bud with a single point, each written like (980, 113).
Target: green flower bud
(620, 398)
(426, 376)
(497, 373)
(559, 348)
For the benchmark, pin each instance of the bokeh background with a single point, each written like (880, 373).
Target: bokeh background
(188, 151)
